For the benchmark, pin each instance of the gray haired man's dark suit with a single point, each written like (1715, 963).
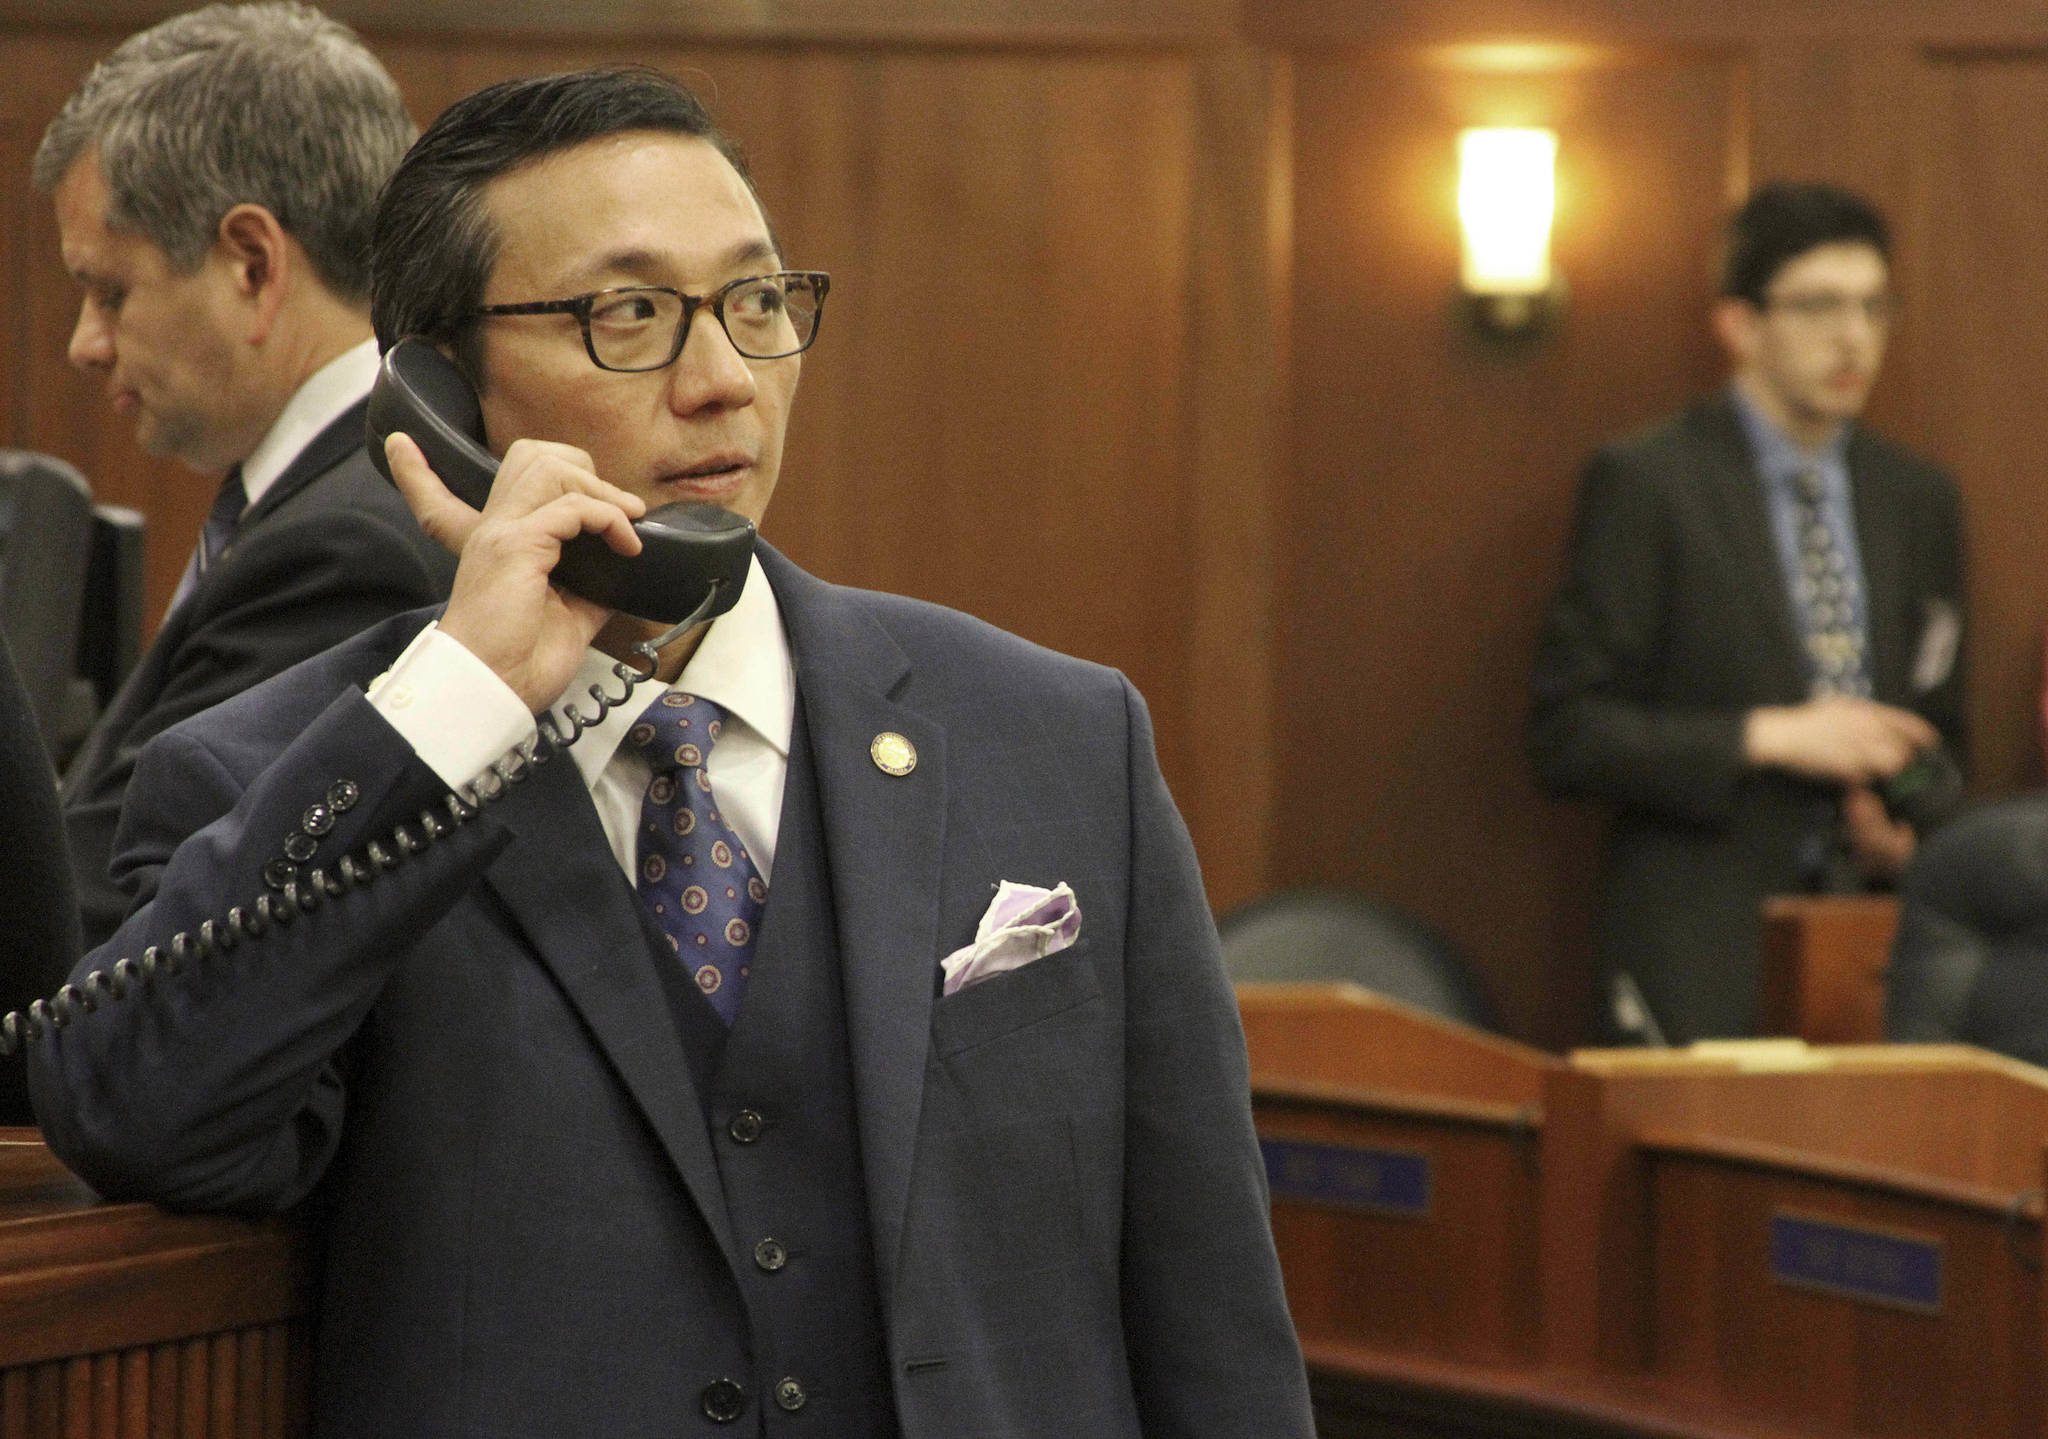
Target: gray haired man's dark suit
(550, 1179)
(1672, 623)
(327, 550)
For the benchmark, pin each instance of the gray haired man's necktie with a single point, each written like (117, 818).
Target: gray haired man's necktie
(216, 534)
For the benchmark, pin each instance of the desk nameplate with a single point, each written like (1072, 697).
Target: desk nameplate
(1854, 1261)
(1349, 1176)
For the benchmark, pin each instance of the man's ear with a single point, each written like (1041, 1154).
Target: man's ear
(260, 259)
(1735, 323)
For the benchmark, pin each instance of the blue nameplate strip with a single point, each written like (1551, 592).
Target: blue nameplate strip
(1856, 1263)
(1382, 1181)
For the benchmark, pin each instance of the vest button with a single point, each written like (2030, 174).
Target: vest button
(770, 1255)
(746, 1127)
(790, 1396)
(724, 1401)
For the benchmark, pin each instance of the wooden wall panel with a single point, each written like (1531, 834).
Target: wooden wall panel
(1981, 352)
(1433, 475)
(1121, 22)
(1636, 22)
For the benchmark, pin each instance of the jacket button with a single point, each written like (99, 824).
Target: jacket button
(724, 1401)
(746, 1127)
(342, 795)
(770, 1255)
(317, 820)
(279, 873)
(790, 1395)
(301, 847)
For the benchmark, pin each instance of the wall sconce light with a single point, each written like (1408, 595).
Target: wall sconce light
(1507, 198)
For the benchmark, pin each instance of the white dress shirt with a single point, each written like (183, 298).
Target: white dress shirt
(459, 717)
(322, 400)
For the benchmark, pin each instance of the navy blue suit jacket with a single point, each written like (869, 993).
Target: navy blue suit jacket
(473, 1064)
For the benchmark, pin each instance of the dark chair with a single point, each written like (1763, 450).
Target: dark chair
(71, 594)
(1306, 934)
(39, 933)
(45, 545)
(110, 614)
(1970, 963)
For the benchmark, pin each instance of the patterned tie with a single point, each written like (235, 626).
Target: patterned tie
(215, 534)
(694, 873)
(1830, 607)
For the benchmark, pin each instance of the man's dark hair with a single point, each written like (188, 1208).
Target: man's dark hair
(1782, 221)
(434, 245)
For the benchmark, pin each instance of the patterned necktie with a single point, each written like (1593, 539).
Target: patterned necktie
(214, 535)
(1829, 604)
(694, 873)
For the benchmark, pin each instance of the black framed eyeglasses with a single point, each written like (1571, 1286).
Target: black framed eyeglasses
(1832, 307)
(644, 327)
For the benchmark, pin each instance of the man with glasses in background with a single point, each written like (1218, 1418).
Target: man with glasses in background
(1757, 641)
(833, 1040)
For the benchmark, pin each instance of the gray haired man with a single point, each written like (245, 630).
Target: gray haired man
(214, 179)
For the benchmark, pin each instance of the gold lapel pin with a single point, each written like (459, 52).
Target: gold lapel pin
(893, 754)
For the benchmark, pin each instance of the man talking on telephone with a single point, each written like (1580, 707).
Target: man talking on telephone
(832, 1039)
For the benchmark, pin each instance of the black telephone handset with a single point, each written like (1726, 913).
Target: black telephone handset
(685, 548)
(695, 560)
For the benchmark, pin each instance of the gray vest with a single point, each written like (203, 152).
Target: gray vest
(778, 1092)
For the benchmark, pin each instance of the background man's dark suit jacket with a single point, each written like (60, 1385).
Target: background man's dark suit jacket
(476, 1065)
(38, 907)
(327, 551)
(1672, 623)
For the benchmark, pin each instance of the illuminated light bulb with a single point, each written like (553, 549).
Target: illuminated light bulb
(1507, 200)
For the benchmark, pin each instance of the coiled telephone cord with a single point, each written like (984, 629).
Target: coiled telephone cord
(22, 1027)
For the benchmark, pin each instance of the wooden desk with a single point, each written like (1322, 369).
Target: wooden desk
(1684, 1244)
(1824, 962)
(1402, 1151)
(121, 1320)
(1846, 1241)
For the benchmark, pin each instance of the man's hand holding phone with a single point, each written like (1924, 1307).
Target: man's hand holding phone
(503, 609)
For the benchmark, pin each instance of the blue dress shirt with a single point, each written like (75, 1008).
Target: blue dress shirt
(1779, 462)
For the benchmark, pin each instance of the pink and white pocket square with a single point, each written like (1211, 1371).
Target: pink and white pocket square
(1023, 923)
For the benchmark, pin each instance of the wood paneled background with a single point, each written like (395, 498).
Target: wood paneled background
(1142, 343)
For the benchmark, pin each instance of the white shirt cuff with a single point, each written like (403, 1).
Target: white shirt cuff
(456, 714)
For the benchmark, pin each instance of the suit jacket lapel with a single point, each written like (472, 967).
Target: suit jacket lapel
(884, 840)
(601, 954)
(321, 454)
(1737, 496)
